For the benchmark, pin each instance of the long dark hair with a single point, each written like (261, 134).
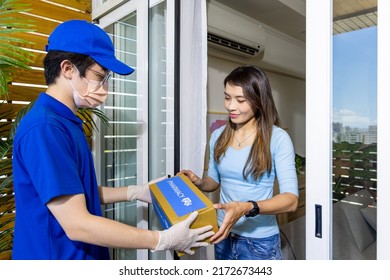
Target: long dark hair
(257, 90)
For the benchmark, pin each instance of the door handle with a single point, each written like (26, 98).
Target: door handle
(318, 221)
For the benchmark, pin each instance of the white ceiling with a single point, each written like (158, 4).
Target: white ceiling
(289, 16)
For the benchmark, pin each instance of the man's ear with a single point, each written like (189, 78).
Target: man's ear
(67, 69)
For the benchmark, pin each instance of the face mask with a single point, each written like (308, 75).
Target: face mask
(96, 94)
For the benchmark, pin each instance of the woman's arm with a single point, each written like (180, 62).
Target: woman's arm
(281, 203)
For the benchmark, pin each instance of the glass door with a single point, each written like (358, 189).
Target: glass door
(347, 194)
(383, 159)
(354, 119)
(161, 99)
(137, 145)
(122, 146)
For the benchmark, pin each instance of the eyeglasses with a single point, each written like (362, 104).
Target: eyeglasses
(104, 79)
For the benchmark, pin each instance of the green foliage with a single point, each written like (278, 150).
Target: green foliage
(354, 165)
(361, 156)
(12, 56)
(300, 163)
(86, 114)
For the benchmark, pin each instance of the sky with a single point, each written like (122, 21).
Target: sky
(355, 78)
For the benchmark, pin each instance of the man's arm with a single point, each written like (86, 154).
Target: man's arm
(79, 225)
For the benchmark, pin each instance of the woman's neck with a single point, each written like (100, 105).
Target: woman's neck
(246, 128)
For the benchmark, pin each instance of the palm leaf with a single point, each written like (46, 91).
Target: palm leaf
(6, 237)
(5, 162)
(86, 114)
(12, 56)
(6, 183)
(19, 116)
(12, 4)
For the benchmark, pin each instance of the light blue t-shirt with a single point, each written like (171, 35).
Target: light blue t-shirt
(233, 186)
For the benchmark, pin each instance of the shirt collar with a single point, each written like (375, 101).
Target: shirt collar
(57, 107)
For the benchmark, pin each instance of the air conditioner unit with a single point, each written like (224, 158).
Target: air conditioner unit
(229, 32)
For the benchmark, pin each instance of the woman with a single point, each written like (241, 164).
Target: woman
(246, 156)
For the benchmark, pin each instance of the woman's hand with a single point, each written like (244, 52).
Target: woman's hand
(192, 176)
(233, 212)
(206, 184)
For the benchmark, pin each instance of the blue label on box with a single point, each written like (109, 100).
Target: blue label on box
(160, 214)
(180, 196)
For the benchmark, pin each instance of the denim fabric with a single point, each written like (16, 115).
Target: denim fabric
(236, 247)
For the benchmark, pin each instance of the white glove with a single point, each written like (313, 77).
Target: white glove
(141, 192)
(180, 237)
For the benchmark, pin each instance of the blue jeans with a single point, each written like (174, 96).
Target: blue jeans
(236, 247)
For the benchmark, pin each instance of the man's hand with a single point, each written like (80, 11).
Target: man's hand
(180, 237)
(142, 192)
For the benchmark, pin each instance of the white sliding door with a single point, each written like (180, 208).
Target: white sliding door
(347, 131)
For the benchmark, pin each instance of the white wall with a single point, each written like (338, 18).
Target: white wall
(288, 92)
(283, 60)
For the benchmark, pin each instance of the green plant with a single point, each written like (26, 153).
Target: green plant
(354, 167)
(300, 163)
(86, 114)
(7, 206)
(12, 57)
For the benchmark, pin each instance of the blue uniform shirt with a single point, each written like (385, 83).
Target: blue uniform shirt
(51, 157)
(235, 188)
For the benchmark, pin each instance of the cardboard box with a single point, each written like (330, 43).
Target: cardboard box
(175, 198)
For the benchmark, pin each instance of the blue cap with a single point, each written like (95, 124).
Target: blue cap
(83, 37)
